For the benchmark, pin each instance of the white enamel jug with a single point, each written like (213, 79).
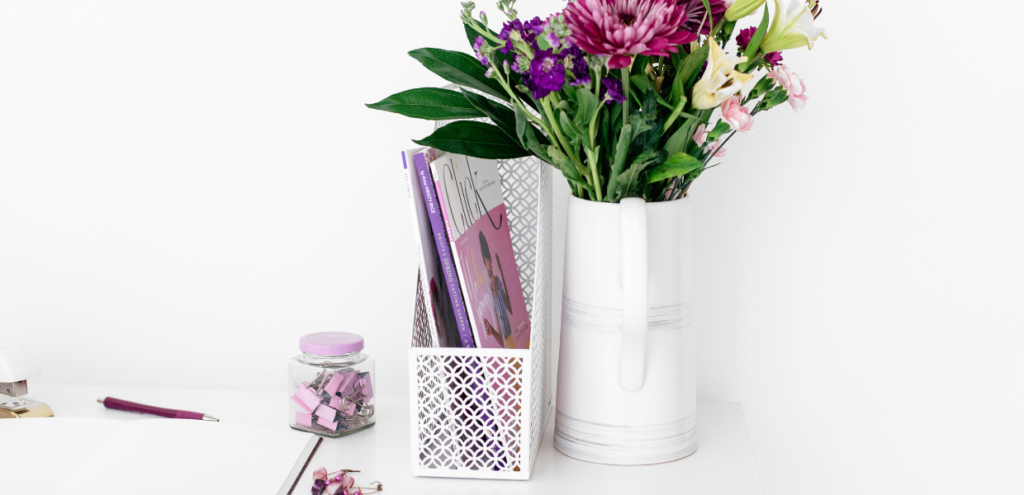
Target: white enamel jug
(626, 374)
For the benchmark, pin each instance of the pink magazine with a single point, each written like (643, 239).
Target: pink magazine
(477, 224)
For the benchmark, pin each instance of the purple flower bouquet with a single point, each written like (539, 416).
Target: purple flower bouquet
(616, 94)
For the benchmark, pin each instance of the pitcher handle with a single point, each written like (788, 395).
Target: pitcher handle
(633, 266)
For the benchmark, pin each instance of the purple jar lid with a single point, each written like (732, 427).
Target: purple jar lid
(331, 343)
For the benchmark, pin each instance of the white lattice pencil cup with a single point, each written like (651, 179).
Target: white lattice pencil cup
(481, 413)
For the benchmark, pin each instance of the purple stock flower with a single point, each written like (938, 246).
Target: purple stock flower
(547, 74)
(521, 65)
(553, 39)
(612, 87)
(506, 31)
(773, 58)
(580, 71)
(532, 28)
(479, 43)
(528, 32)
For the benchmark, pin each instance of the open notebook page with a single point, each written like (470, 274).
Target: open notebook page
(173, 456)
(37, 452)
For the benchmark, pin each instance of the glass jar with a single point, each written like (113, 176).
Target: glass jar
(331, 385)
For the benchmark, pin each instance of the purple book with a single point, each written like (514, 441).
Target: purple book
(444, 251)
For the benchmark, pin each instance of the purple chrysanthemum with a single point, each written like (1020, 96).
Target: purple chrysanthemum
(694, 14)
(578, 66)
(625, 28)
(479, 43)
(547, 74)
(613, 89)
(743, 40)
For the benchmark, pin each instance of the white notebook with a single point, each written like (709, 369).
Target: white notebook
(152, 456)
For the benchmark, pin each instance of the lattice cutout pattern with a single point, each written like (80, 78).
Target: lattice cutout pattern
(475, 423)
(481, 413)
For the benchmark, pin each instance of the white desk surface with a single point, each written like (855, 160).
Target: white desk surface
(723, 463)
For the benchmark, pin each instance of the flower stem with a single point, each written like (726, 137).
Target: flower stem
(625, 92)
(595, 175)
(546, 104)
(484, 32)
(499, 75)
(593, 124)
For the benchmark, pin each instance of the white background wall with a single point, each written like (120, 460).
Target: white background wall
(187, 187)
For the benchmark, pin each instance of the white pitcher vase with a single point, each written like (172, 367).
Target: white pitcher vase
(626, 374)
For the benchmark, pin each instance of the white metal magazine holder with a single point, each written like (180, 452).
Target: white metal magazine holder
(481, 413)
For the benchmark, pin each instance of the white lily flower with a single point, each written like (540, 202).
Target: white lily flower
(792, 28)
(720, 80)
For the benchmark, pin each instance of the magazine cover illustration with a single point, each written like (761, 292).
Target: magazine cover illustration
(475, 215)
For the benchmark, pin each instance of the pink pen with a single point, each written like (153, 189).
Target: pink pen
(123, 405)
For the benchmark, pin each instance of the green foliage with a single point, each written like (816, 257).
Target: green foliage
(755, 41)
(641, 85)
(500, 59)
(676, 165)
(501, 115)
(468, 137)
(430, 104)
(530, 139)
(630, 179)
(606, 150)
(619, 163)
(459, 68)
(646, 131)
(587, 106)
(686, 74)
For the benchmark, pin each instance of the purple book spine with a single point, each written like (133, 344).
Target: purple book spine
(443, 249)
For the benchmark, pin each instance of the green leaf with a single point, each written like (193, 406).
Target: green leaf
(677, 141)
(459, 68)
(689, 70)
(675, 114)
(755, 41)
(468, 137)
(569, 129)
(500, 115)
(639, 64)
(619, 164)
(588, 104)
(629, 179)
(529, 137)
(676, 165)
(643, 85)
(428, 103)
(563, 162)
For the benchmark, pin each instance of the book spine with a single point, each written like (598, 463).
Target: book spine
(409, 169)
(444, 250)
